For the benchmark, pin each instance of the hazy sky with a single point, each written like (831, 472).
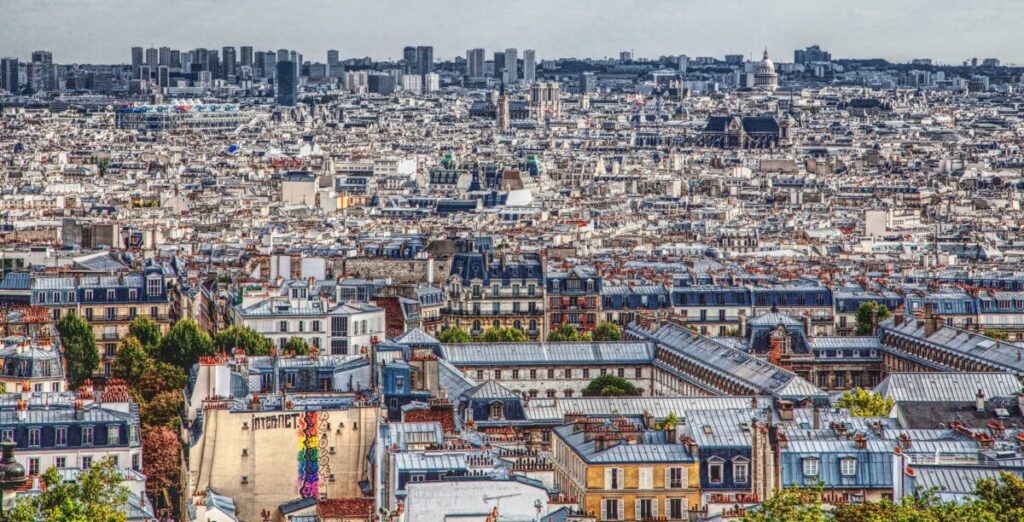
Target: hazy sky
(102, 31)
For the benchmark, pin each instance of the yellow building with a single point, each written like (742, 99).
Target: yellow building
(618, 470)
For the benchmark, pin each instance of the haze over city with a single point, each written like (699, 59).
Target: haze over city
(98, 31)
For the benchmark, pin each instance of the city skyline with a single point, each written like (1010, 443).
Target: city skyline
(566, 29)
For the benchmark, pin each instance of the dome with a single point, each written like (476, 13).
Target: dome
(766, 66)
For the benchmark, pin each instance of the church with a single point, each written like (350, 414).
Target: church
(745, 132)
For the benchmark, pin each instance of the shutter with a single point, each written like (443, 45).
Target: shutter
(621, 504)
(668, 478)
(654, 508)
(607, 478)
(604, 509)
(645, 478)
(636, 508)
(684, 476)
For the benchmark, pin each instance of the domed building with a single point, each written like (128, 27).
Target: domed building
(766, 78)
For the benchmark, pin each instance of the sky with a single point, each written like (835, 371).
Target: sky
(103, 31)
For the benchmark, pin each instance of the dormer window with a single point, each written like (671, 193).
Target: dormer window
(811, 467)
(848, 466)
(497, 411)
(153, 286)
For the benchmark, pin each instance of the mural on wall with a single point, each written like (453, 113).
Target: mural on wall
(313, 459)
(309, 455)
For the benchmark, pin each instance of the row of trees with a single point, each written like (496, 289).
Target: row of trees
(996, 500)
(506, 334)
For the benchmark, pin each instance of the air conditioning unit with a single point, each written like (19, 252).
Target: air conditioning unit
(331, 450)
(245, 425)
(331, 478)
(245, 479)
(245, 452)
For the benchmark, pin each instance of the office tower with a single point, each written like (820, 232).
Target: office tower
(213, 63)
(626, 56)
(811, 54)
(380, 83)
(152, 56)
(475, 63)
(42, 73)
(499, 64)
(185, 61)
(282, 55)
(175, 58)
(431, 82)
(245, 55)
(164, 56)
(137, 57)
(163, 76)
(332, 57)
(425, 59)
(530, 65)
(409, 59)
(9, 74)
(287, 83)
(228, 62)
(200, 60)
(512, 64)
(335, 69)
(734, 59)
(145, 72)
(588, 83)
(684, 64)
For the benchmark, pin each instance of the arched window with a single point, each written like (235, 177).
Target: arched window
(496, 323)
(497, 412)
(517, 324)
(568, 393)
(476, 325)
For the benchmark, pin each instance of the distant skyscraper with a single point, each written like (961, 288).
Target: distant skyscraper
(229, 62)
(152, 57)
(175, 58)
(282, 55)
(137, 57)
(410, 59)
(530, 65)
(287, 83)
(213, 63)
(163, 76)
(245, 55)
(335, 68)
(811, 54)
(588, 83)
(626, 56)
(425, 59)
(475, 63)
(684, 64)
(164, 56)
(499, 64)
(512, 64)
(42, 73)
(9, 74)
(332, 57)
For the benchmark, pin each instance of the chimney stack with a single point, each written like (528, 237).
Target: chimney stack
(979, 401)
(816, 418)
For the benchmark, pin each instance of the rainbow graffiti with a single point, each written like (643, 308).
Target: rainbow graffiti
(309, 455)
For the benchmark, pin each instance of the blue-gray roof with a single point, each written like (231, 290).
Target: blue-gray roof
(576, 353)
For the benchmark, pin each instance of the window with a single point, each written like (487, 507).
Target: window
(676, 508)
(111, 314)
(497, 412)
(339, 326)
(113, 435)
(533, 373)
(33, 466)
(111, 295)
(153, 286)
(88, 314)
(551, 373)
(613, 478)
(154, 312)
(417, 477)
(86, 462)
(87, 436)
(586, 373)
(60, 462)
(133, 294)
(715, 472)
(638, 373)
(740, 470)
(60, 437)
(136, 462)
(283, 326)
(646, 508)
(400, 382)
(133, 435)
(848, 466)
(479, 375)
(568, 373)
(497, 375)
(88, 295)
(811, 467)
(645, 478)
(338, 346)
(33, 437)
(675, 478)
(8, 435)
(515, 374)
(611, 509)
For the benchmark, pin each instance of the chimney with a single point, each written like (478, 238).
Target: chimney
(979, 401)
(807, 324)
(905, 441)
(22, 410)
(79, 410)
(785, 410)
(816, 418)
(783, 439)
(860, 441)
(932, 321)
(743, 323)
(898, 319)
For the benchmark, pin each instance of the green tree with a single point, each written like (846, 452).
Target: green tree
(454, 334)
(503, 334)
(163, 410)
(564, 333)
(791, 505)
(162, 463)
(162, 377)
(1003, 497)
(864, 313)
(670, 422)
(96, 494)
(131, 362)
(184, 344)
(999, 335)
(242, 337)
(296, 346)
(81, 358)
(609, 385)
(607, 331)
(863, 403)
(146, 331)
